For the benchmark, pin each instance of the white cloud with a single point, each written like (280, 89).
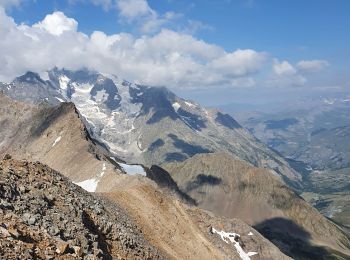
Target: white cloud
(285, 75)
(312, 65)
(283, 68)
(132, 9)
(57, 23)
(8, 3)
(239, 63)
(149, 59)
(106, 4)
(167, 58)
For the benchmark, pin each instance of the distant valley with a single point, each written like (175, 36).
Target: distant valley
(315, 137)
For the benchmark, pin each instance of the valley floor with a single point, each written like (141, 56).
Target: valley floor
(329, 192)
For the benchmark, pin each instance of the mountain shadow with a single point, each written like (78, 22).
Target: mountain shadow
(51, 115)
(294, 241)
(203, 179)
(187, 148)
(227, 120)
(164, 180)
(195, 121)
(156, 144)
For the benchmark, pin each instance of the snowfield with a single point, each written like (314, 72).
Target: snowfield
(232, 237)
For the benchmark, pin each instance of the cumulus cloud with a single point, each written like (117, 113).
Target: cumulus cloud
(148, 59)
(285, 74)
(283, 68)
(312, 65)
(132, 9)
(57, 23)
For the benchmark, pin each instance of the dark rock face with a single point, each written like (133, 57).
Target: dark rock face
(164, 180)
(227, 120)
(107, 85)
(43, 215)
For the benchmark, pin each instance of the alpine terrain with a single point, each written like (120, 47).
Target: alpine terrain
(97, 167)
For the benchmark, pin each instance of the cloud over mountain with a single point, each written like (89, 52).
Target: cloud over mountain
(158, 55)
(167, 58)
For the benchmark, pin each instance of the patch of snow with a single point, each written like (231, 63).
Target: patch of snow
(103, 170)
(309, 168)
(334, 210)
(190, 104)
(329, 101)
(60, 99)
(101, 96)
(63, 81)
(44, 75)
(231, 237)
(176, 106)
(56, 141)
(133, 169)
(88, 185)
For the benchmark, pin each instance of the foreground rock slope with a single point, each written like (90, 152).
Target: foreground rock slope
(43, 215)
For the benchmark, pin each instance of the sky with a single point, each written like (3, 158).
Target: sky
(212, 51)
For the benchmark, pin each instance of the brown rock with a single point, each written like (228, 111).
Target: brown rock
(4, 232)
(77, 250)
(7, 157)
(13, 232)
(62, 247)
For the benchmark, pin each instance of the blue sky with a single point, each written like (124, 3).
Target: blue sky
(299, 46)
(289, 29)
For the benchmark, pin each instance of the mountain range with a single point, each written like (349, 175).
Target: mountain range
(187, 181)
(147, 125)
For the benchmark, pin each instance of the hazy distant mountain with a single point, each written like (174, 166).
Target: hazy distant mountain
(318, 134)
(144, 124)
